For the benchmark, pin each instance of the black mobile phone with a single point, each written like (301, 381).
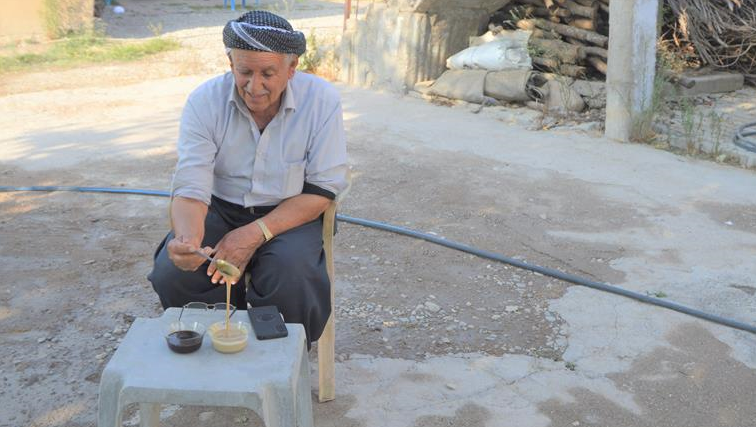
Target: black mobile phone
(267, 322)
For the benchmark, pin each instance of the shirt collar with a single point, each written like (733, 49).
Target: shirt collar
(288, 103)
(233, 96)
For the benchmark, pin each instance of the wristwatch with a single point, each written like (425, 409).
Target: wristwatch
(266, 232)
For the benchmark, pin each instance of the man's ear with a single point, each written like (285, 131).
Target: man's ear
(293, 66)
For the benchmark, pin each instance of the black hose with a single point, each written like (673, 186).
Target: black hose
(740, 137)
(136, 191)
(452, 245)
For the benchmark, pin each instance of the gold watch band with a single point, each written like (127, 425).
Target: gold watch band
(266, 232)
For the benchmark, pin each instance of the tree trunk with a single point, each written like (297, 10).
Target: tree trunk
(597, 64)
(542, 12)
(572, 70)
(583, 23)
(596, 51)
(566, 30)
(538, 3)
(577, 9)
(541, 34)
(589, 50)
(546, 62)
(555, 49)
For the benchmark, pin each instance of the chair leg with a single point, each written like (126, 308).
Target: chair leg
(326, 363)
(149, 414)
(326, 343)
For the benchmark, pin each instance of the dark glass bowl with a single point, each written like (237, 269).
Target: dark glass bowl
(185, 337)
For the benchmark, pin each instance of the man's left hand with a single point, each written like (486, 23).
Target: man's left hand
(237, 248)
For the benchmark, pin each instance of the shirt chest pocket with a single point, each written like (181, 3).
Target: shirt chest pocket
(284, 181)
(283, 164)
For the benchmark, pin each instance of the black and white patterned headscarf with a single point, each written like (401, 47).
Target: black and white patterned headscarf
(263, 31)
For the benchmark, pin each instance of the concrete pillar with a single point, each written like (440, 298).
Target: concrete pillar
(631, 67)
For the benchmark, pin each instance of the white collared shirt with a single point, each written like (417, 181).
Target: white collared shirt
(221, 151)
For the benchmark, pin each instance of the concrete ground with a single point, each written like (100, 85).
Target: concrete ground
(426, 336)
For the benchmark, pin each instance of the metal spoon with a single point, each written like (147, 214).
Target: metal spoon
(225, 268)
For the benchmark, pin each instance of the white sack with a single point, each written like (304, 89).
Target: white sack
(509, 51)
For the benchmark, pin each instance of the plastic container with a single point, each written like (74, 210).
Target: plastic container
(185, 337)
(232, 341)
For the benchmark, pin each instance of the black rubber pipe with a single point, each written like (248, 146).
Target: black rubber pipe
(741, 135)
(456, 246)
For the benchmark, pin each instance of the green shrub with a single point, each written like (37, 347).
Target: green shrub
(87, 48)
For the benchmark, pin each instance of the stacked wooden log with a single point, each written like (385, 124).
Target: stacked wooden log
(570, 37)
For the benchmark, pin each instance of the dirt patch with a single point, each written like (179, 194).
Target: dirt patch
(737, 217)
(694, 378)
(399, 294)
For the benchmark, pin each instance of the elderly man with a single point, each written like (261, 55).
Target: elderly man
(261, 152)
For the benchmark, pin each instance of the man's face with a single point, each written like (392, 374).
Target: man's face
(261, 78)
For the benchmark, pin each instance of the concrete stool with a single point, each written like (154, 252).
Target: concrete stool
(272, 377)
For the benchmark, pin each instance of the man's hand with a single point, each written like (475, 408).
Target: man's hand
(188, 223)
(237, 248)
(181, 252)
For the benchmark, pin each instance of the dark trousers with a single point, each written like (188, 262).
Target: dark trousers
(288, 272)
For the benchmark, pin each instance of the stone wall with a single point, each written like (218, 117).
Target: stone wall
(403, 42)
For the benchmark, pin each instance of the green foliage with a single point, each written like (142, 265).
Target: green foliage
(716, 129)
(536, 50)
(670, 61)
(86, 48)
(310, 60)
(643, 126)
(692, 122)
(657, 294)
(156, 29)
(520, 12)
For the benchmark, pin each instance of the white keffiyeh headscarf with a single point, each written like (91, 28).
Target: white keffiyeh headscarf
(263, 31)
